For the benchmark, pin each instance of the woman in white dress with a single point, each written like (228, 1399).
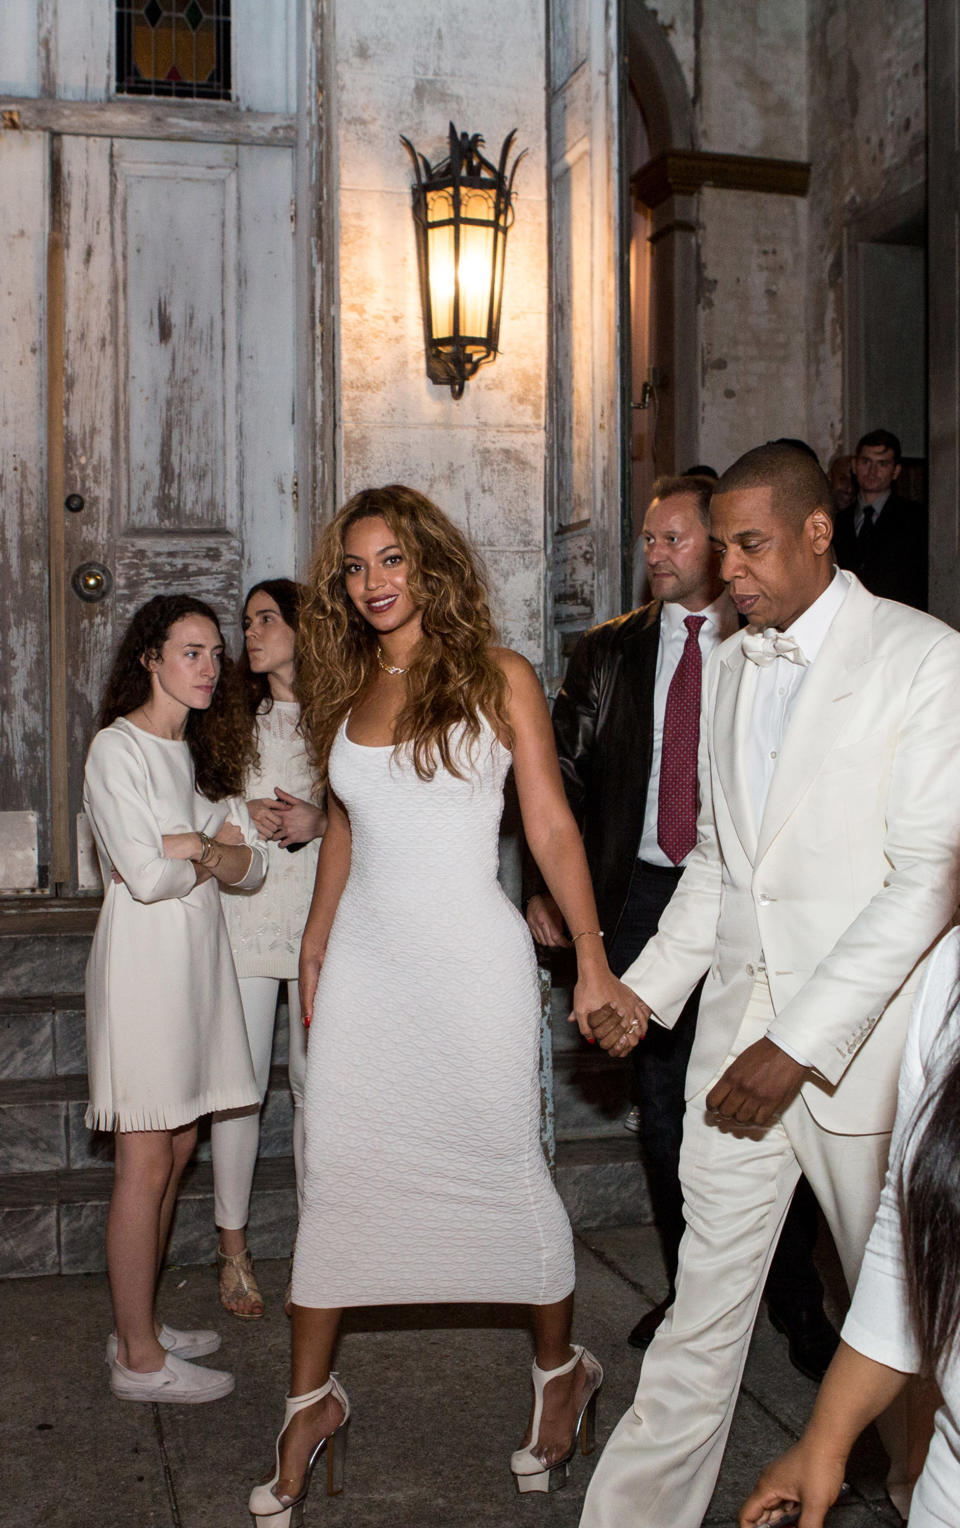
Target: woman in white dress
(263, 722)
(165, 1035)
(905, 1314)
(425, 1179)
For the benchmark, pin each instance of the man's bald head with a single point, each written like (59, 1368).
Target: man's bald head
(798, 485)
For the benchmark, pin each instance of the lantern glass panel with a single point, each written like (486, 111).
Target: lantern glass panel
(476, 260)
(441, 257)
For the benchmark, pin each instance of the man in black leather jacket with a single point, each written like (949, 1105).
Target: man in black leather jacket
(608, 721)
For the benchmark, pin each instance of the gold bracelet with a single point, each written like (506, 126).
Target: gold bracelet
(597, 932)
(206, 847)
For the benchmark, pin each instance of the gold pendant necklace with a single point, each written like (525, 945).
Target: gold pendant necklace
(388, 668)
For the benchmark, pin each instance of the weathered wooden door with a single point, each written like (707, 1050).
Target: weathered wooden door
(163, 284)
(178, 397)
(587, 491)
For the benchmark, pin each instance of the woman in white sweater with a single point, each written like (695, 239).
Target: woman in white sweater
(165, 1035)
(265, 927)
(905, 1315)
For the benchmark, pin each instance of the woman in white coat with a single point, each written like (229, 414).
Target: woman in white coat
(165, 1035)
(263, 721)
(905, 1315)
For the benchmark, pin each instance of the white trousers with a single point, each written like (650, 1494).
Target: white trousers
(235, 1136)
(661, 1463)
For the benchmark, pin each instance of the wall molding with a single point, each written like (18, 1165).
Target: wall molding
(682, 172)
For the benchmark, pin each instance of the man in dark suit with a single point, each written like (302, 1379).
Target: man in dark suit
(882, 537)
(627, 725)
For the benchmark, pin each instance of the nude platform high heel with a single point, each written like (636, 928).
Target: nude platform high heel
(264, 1505)
(530, 1472)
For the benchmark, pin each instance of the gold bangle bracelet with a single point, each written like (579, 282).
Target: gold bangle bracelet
(596, 932)
(206, 847)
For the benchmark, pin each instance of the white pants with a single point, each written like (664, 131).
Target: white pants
(661, 1463)
(235, 1137)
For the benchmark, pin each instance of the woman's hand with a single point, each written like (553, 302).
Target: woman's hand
(300, 820)
(545, 922)
(598, 993)
(229, 833)
(308, 975)
(804, 1477)
(266, 816)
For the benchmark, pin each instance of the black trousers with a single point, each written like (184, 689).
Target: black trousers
(660, 1068)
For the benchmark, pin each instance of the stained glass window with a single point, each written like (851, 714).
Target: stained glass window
(174, 48)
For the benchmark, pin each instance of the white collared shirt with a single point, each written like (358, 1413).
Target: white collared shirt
(774, 698)
(720, 622)
(776, 689)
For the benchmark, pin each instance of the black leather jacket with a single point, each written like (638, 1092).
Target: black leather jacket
(603, 725)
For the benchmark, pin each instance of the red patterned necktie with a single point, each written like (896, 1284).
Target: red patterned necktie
(677, 799)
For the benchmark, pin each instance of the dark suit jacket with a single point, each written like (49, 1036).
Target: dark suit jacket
(603, 724)
(894, 563)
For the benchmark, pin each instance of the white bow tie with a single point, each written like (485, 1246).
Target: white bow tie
(762, 647)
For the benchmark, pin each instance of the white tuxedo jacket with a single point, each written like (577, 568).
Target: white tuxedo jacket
(850, 877)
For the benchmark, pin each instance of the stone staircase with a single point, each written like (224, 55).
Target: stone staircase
(55, 1175)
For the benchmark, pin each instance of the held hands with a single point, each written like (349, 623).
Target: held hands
(804, 1477)
(607, 1011)
(756, 1087)
(616, 1033)
(545, 922)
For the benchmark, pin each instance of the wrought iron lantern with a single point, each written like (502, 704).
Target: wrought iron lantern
(463, 210)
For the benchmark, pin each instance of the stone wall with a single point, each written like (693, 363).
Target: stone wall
(412, 70)
(867, 144)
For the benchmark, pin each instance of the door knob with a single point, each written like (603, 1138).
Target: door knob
(91, 581)
(73, 502)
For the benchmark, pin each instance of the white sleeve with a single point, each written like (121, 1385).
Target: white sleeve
(256, 872)
(879, 1322)
(115, 795)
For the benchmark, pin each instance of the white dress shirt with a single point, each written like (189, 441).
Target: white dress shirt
(776, 689)
(720, 622)
(775, 693)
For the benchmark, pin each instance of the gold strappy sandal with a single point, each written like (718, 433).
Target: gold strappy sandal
(238, 1282)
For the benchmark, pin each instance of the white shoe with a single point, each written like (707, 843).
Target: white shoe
(182, 1344)
(183, 1383)
(530, 1473)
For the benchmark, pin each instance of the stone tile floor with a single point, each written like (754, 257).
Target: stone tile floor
(440, 1398)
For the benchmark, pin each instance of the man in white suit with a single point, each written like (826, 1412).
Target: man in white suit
(825, 868)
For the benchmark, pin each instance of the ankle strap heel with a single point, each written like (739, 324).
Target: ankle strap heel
(530, 1473)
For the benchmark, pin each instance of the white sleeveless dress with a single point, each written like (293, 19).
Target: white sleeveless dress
(425, 1179)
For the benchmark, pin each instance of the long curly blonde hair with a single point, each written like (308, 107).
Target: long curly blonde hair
(453, 682)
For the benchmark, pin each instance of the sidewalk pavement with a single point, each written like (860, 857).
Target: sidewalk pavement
(440, 1397)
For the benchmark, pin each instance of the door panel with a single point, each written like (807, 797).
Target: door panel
(179, 414)
(24, 699)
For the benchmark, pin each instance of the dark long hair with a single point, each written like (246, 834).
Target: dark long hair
(129, 686)
(248, 694)
(930, 1214)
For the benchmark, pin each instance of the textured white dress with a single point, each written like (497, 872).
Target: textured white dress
(879, 1322)
(425, 1179)
(166, 1040)
(265, 927)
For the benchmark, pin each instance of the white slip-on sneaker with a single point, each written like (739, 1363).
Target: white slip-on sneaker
(182, 1344)
(180, 1382)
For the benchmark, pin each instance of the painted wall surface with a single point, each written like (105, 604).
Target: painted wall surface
(867, 146)
(480, 458)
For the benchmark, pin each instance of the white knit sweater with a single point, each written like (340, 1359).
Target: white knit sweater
(265, 926)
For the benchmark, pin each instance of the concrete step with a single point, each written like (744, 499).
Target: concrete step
(55, 1221)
